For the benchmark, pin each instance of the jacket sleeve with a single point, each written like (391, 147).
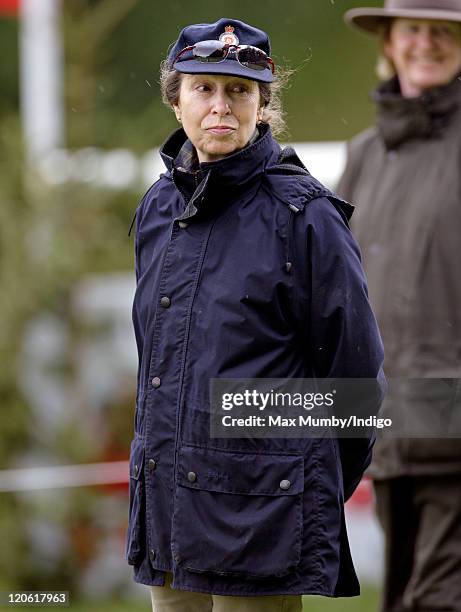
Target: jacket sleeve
(138, 324)
(343, 336)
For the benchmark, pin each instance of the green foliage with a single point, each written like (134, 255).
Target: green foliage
(367, 602)
(9, 67)
(13, 552)
(49, 239)
(15, 302)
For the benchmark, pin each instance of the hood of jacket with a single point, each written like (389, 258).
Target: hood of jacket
(218, 180)
(401, 119)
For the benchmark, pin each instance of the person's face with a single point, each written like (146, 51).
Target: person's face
(425, 53)
(218, 113)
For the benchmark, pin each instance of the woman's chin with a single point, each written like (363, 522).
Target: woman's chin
(213, 153)
(431, 76)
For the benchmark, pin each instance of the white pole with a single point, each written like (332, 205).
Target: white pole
(58, 476)
(41, 77)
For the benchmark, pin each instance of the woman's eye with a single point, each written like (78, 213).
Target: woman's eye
(203, 87)
(240, 89)
(445, 31)
(409, 28)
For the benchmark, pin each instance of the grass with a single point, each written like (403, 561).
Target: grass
(367, 602)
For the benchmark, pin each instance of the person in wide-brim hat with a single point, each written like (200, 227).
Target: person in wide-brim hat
(397, 57)
(403, 175)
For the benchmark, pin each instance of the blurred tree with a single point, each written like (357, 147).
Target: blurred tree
(49, 238)
(13, 305)
(9, 67)
(88, 25)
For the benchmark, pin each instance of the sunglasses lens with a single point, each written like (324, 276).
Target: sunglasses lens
(253, 58)
(210, 51)
(214, 51)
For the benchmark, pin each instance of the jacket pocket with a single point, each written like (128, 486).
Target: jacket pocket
(237, 513)
(135, 537)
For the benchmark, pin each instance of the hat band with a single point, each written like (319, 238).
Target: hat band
(440, 5)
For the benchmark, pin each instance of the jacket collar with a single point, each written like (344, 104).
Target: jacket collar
(400, 119)
(223, 179)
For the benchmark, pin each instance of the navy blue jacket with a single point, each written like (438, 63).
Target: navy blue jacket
(245, 269)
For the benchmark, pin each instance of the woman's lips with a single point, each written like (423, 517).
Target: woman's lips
(221, 130)
(431, 61)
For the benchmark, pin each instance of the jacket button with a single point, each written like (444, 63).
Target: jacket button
(182, 224)
(191, 476)
(136, 470)
(165, 302)
(152, 464)
(156, 382)
(176, 558)
(285, 485)
(152, 555)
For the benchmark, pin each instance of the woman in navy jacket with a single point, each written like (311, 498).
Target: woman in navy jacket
(245, 268)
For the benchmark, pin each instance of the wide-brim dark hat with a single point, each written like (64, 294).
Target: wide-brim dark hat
(237, 32)
(371, 19)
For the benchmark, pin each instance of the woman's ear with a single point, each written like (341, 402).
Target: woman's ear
(177, 112)
(387, 49)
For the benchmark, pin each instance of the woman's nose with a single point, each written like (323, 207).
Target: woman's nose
(220, 104)
(426, 39)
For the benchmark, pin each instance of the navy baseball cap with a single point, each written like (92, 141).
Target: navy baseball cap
(230, 32)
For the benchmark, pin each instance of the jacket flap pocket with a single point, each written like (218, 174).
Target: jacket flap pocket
(238, 513)
(240, 473)
(136, 457)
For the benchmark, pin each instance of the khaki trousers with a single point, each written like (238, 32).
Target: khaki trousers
(166, 599)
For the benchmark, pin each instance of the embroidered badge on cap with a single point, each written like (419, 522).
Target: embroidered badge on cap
(228, 37)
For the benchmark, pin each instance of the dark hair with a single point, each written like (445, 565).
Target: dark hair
(270, 95)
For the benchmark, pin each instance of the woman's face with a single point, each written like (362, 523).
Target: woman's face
(426, 53)
(218, 113)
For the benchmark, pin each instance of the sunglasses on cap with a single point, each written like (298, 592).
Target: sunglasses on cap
(215, 51)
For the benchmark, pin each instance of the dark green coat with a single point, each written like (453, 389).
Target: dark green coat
(404, 176)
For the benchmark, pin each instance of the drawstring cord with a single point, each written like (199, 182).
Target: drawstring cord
(293, 211)
(132, 222)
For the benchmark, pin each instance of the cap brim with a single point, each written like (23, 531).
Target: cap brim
(371, 19)
(227, 67)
